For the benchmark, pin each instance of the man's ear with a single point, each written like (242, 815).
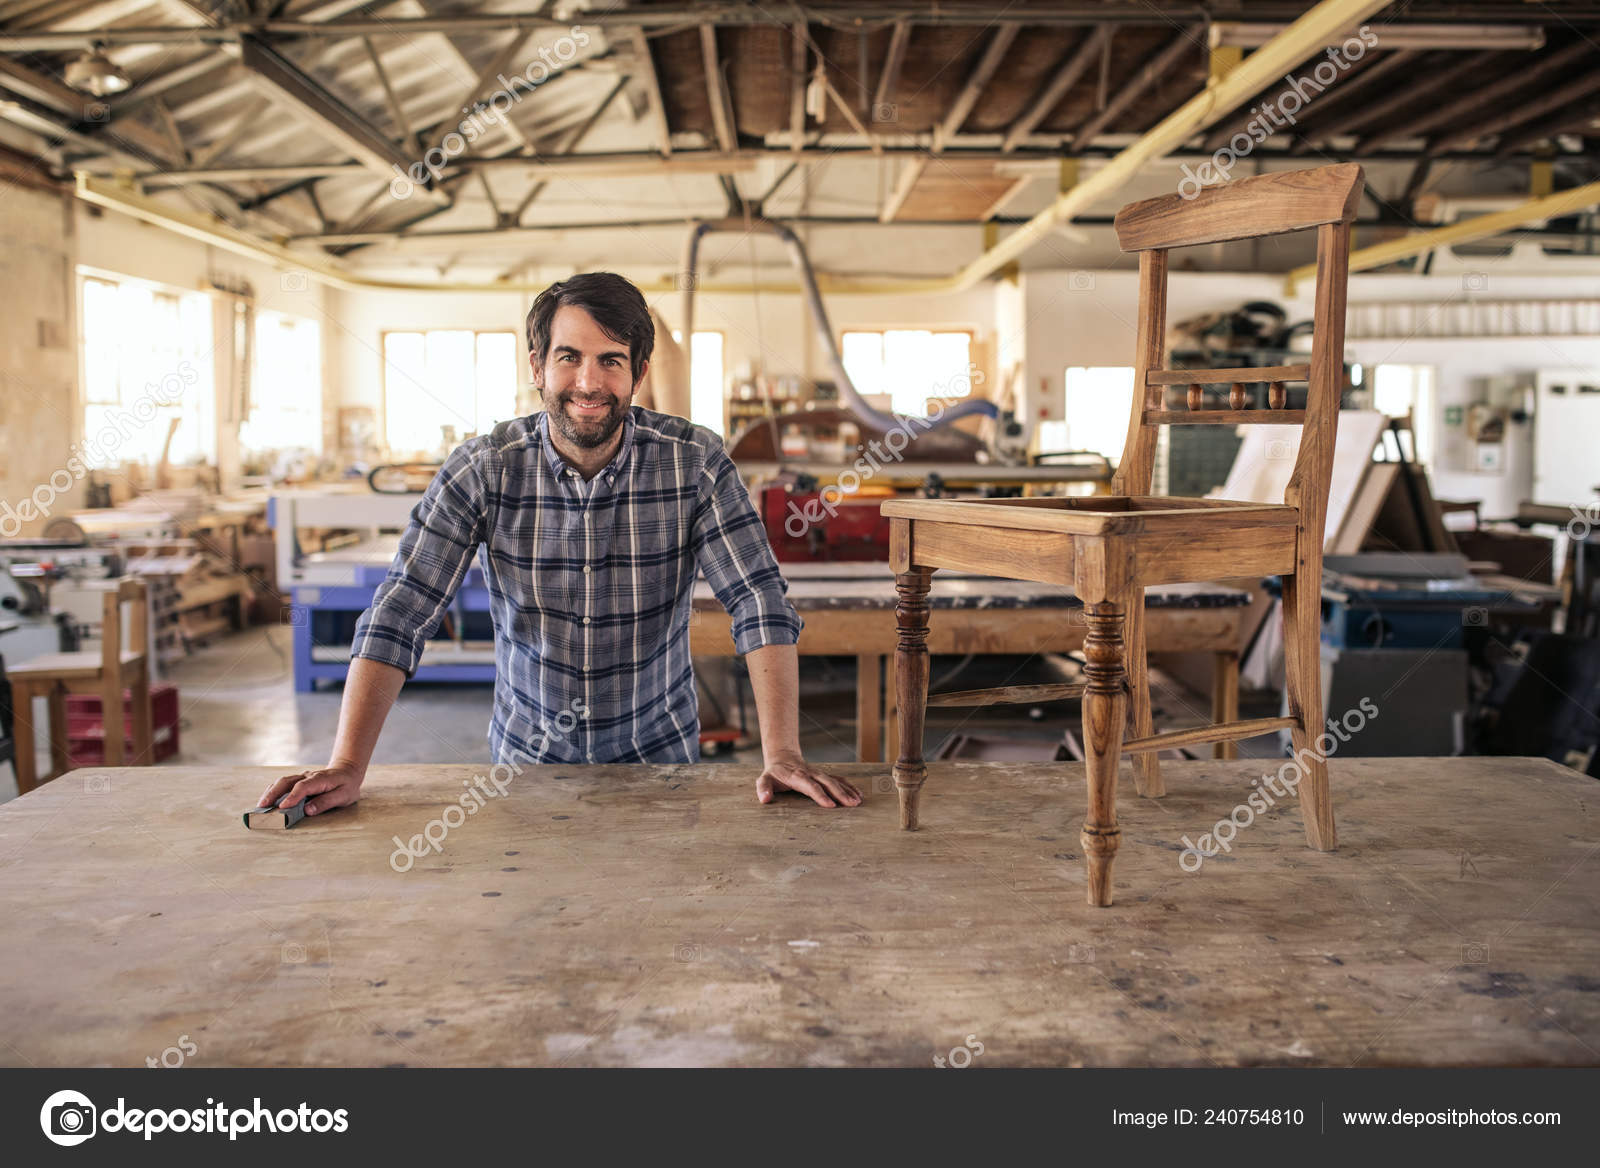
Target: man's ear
(644, 371)
(538, 372)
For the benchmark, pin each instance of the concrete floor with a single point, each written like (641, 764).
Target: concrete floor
(238, 707)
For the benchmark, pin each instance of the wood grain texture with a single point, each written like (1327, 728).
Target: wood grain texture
(1266, 204)
(1247, 374)
(659, 916)
(1229, 417)
(1008, 695)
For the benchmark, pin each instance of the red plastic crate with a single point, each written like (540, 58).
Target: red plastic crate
(86, 728)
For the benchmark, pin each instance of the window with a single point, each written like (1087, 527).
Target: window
(1098, 400)
(911, 366)
(285, 386)
(1401, 389)
(705, 379)
(458, 378)
(145, 353)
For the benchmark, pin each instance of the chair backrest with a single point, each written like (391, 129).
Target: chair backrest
(1324, 198)
(130, 590)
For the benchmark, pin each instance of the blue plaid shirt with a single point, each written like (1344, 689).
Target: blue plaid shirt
(591, 584)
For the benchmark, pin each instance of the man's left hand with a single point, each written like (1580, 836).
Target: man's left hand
(793, 773)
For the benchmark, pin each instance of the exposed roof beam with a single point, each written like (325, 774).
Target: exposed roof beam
(722, 118)
(993, 53)
(1513, 79)
(334, 120)
(1428, 82)
(1157, 66)
(1344, 91)
(1247, 112)
(646, 67)
(396, 110)
(243, 123)
(571, 144)
(1561, 96)
(902, 189)
(848, 12)
(487, 83)
(135, 138)
(889, 79)
(1479, 227)
(1573, 119)
(1064, 78)
(171, 79)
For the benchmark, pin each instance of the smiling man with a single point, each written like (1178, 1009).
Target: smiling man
(592, 518)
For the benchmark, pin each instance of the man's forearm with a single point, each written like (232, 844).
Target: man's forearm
(369, 691)
(775, 678)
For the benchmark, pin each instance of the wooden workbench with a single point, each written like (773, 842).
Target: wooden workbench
(848, 611)
(659, 915)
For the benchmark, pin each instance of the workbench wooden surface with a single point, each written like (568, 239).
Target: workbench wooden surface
(660, 916)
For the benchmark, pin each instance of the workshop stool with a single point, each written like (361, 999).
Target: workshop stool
(107, 673)
(1108, 548)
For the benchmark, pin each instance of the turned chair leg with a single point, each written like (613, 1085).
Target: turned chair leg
(1105, 712)
(1147, 778)
(911, 688)
(24, 759)
(1302, 658)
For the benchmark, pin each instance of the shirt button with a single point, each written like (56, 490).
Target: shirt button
(585, 620)
(587, 569)
(586, 670)
(590, 757)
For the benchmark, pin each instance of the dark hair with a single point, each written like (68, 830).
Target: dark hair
(616, 305)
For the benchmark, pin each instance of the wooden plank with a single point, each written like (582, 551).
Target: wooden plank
(1265, 204)
(1008, 695)
(1217, 515)
(1175, 555)
(1251, 728)
(1224, 417)
(1022, 554)
(1224, 376)
(722, 117)
(1064, 78)
(869, 698)
(1189, 41)
(994, 52)
(622, 877)
(889, 78)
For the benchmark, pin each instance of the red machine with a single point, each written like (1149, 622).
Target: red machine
(805, 524)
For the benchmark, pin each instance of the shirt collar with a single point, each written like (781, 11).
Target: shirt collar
(558, 465)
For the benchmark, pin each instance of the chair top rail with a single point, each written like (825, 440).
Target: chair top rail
(1267, 204)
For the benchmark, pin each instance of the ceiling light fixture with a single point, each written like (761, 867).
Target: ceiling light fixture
(96, 73)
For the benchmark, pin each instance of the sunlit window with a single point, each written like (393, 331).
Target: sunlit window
(705, 379)
(285, 386)
(911, 366)
(1401, 389)
(454, 379)
(1098, 399)
(146, 361)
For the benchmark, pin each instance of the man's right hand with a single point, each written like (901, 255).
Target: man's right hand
(333, 786)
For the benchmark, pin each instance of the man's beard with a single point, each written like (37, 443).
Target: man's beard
(585, 433)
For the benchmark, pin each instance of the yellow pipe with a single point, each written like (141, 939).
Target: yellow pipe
(1480, 227)
(1306, 36)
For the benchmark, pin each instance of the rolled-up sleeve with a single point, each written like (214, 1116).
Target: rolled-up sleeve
(732, 550)
(437, 548)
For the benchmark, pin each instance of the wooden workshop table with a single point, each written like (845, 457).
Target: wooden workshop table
(848, 610)
(619, 915)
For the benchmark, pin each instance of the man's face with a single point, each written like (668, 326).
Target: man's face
(586, 382)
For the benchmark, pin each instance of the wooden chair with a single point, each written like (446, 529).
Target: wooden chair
(1108, 548)
(106, 673)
